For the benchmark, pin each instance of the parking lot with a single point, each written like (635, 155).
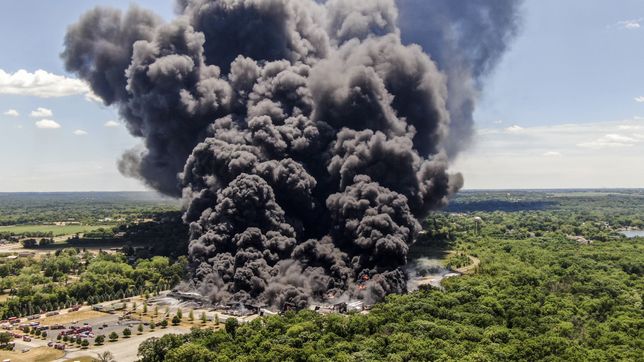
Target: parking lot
(87, 324)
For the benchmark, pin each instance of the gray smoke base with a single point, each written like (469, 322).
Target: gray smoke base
(306, 138)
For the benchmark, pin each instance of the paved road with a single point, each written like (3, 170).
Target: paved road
(124, 350)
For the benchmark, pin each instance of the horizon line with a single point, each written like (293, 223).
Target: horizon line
(460, 191)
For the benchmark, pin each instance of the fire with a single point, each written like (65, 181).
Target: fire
(362, 282)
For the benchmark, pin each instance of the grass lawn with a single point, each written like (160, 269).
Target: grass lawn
(72, 316)
(82, 359)
(40, 354)
(55, 229)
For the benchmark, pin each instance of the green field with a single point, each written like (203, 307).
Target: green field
(54, 229)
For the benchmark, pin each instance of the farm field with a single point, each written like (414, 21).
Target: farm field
(55, 230)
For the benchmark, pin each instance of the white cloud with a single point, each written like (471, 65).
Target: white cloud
(80, 132)
(92, 97)
(639, 99)
(552, 154)
(629, 127)
(40, 84)
(498, 121)
(47, 124)
(514, 129)
(569, 155)
(12, 113)
(610, 141)
(41, 112)
(112, 124)
(631, 24)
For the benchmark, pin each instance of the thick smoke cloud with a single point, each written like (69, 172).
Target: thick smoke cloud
(466, 39)
(306, 138)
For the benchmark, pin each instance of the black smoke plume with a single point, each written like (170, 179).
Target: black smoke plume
(306, 138)
(467, 40)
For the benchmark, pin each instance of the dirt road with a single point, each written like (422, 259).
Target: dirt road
(471, 268)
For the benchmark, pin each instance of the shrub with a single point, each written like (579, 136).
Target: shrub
(99, 340)
(113, 336)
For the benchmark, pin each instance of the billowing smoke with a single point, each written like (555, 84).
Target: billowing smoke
(467, 40)
(306, 138)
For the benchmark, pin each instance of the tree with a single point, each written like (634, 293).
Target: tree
(216, 319)
(156, 349)
(106, 356)
(85, 344)
(191, 315)
(156, 310)
(179, 314)
(29, 243)
(65, 338)
(79, 340)
(176, 320)
(203, 318)
(99, 340)
(43, 334)
(145, 308)
(5, 338)
(113, 336)
(140, 328)
(231, 326)
(59, 337)
(152, 325)
(164, 323)
(190, 352)
(127, 333)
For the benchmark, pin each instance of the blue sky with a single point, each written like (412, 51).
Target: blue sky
(561, 110)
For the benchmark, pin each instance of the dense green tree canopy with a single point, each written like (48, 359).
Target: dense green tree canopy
(537, 295)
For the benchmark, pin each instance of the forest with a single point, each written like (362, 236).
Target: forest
(70, 276)
(540, 293)
(87, 208)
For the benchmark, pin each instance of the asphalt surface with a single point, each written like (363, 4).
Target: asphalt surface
(124, 350)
